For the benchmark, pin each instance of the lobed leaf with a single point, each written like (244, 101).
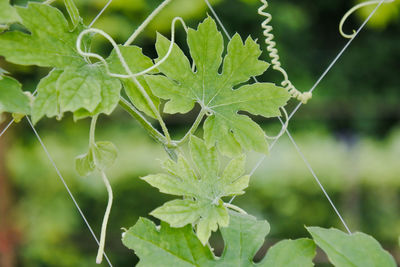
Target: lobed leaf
(202, 188)
(214, 92)
(50, 42)
(243, 237)
(357, 249)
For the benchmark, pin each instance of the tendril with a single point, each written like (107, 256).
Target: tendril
(284, 126)
(126, 67)
(100, 252)
(273, 54)
(352, 10)
(119, 54)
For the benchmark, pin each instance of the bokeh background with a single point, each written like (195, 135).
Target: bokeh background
(349, 132)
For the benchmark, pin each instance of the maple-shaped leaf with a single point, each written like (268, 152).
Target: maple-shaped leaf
(214, 91)
(245, 235)
(12, 98)
(50, 42)
(202, 187)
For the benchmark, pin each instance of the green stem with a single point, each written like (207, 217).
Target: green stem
(48, 2)
(92, 141)
(154, 109)
(194, 127)
(156, 135)
(100, 252)
(236, 208)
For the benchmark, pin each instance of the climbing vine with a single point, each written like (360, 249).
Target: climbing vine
(220, 84)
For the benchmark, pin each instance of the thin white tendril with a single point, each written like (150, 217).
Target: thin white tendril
(126, 67)
(100, 252)
(273, 54)
(146, 22)
(235, 208)
(66, 186)
(284, 126)
(352, 10)
(100, 13)
(48, 2)
(119, 54)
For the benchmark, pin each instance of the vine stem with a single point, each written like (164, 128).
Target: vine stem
(92, 130)
(193, 128)
(128, 107)
(153, 108)
(49, 2)
(100, 252)
(146, 22)
(234, 207)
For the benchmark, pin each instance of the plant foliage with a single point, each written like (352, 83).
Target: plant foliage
(243, 238)
(214, 92)
(218, 82)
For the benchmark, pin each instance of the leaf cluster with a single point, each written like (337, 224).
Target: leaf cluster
(214, 80)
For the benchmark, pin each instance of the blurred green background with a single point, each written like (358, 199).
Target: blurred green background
(349, 132)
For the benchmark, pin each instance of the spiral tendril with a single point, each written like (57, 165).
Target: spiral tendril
(352, 10)
(273, 54)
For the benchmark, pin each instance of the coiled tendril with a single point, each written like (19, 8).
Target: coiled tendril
(273, 54)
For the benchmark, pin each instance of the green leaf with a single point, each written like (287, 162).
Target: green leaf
(203, 188)
(357, 249)
(88, 87)
(50, 43)
(86, 90)
(8, 14)
(136, 62)
(12, 98)
(104, 154)
(100, 156)
(46, 102)
(214, 92)
(286, 253)
(245, 235)
(166, 246)
(84, 164)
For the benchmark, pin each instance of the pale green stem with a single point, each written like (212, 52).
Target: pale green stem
(146, 22)
(154, 109)
(194, 127)
(236, 208)
(156, 135)
(100, 252)
(49, 2)
(92, 141)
